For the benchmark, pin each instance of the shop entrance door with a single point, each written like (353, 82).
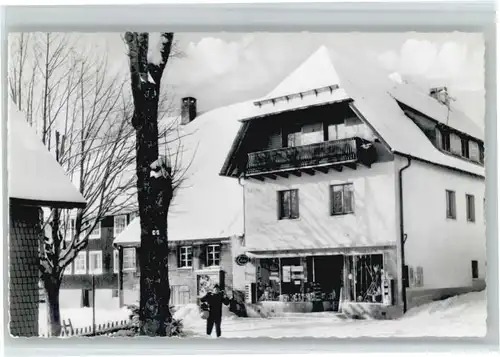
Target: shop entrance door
(328, 272)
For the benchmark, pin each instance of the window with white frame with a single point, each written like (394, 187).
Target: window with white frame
(116, 262)
(95, 262)
(80, 263)
(120, 222)
(185, 257)
(129, 262)
(342, 199)
(213, 255)
(96, 232)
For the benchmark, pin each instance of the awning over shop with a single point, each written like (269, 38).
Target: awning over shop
(318, 252)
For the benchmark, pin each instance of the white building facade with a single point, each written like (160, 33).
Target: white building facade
(361, 194)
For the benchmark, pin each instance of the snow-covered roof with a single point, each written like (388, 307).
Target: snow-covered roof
(35, 177)
(424, 103)
(372, 93)
(207, 205)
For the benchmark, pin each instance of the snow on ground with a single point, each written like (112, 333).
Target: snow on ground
(463, 315)
(82, 317)
(458, 316)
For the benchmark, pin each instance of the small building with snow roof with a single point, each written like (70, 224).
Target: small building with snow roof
(206, 215)
(363, 194)
(35, 180)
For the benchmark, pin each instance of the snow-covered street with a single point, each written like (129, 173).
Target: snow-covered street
(457, 316)
(463, 315)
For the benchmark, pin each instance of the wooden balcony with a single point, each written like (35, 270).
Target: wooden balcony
(310, 158)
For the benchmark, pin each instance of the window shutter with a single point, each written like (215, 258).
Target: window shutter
(420, 276)
(294, 201)
(348, 199)
(203, 254)
(411, 277)
(179, 256)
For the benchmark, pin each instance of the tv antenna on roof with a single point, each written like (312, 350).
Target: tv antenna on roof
(441, 95)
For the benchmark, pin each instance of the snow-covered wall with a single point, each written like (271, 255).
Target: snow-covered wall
(374, 222)
(442, 247)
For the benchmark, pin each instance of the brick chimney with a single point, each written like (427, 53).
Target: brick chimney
(188, 110)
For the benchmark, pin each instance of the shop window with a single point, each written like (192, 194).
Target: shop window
(268, 280)
(365, 278)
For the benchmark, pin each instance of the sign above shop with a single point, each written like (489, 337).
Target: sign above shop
(242, 259)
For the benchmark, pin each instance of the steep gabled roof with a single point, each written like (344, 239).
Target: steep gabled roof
(373, 96)
(207, 206)
(301, 79)
(34, 176)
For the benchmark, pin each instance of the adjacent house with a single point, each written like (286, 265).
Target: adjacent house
(96, 266)
(205, 217)
(36, 180)
(362, 193)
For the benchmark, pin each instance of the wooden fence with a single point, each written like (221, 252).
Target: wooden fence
(67, 329)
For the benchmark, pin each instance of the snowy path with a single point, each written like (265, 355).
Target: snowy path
(454, 317)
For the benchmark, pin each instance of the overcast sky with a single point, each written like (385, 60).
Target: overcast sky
(223, 68)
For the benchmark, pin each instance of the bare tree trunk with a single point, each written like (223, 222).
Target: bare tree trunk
(52, 286)
(154, 193)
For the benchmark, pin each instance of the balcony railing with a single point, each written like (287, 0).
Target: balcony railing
(328, 152)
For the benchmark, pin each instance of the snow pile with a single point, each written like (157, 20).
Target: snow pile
(465, 312)
(189, 314)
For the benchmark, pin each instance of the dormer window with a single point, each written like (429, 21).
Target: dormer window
(465, 148)
(439, 139)
(474, 152)
(455, 144)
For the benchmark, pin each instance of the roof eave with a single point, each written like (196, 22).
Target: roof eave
(45, 203)
(226, 169)
(439, 165)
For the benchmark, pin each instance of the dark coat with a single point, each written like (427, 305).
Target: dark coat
(215, 302)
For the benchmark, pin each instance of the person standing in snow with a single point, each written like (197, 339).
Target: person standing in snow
(215, 299)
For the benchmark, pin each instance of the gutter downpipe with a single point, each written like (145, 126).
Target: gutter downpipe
(240, 178)
(402, 233)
